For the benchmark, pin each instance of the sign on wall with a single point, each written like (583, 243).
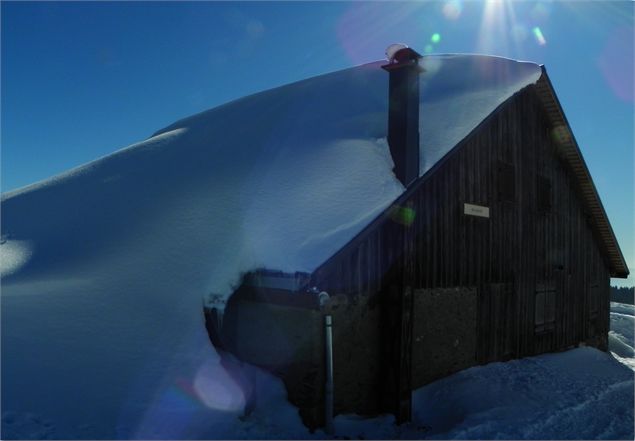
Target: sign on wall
(475, 210)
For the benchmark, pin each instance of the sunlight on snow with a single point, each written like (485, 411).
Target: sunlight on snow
(13, 255)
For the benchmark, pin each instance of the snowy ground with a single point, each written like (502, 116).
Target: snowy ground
(579, 394)
(621, 334)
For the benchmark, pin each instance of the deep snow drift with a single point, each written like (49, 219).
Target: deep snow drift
(105, 267)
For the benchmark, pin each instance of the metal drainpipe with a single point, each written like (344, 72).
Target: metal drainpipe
(328, 387)
(329, 374)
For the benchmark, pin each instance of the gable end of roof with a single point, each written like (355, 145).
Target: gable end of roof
(571, 154)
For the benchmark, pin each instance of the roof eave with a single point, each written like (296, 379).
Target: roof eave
(571, 153)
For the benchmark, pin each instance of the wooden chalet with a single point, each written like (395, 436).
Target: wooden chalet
(501, 250)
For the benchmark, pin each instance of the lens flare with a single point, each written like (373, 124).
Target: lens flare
(431, 65)
(616, 65)
(364, 26)
(540, 12)
(452, 9)
(436, 38)
(560, 135)
(217, 390)
(403, 215)
(520, 32)
(539, 37)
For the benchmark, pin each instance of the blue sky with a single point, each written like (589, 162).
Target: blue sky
(81, 80)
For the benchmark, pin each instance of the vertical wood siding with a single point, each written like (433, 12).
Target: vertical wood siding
(505, 257)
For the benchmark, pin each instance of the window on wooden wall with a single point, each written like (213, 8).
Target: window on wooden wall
(545, 310)
(506, 182)
(543, 194)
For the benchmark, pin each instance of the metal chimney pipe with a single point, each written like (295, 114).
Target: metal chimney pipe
(403, 112)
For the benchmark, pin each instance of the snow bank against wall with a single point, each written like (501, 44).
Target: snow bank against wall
(104, 267)
(578, 394)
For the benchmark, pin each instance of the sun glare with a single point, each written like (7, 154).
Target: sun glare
(501, 26)
(492, 30)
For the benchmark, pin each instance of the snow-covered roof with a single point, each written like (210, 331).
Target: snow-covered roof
(281, 179)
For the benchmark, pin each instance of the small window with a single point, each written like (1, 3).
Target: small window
(543, 192)
(506, 182)
(545, 310)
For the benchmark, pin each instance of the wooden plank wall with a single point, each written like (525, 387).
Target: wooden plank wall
(504, 257)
